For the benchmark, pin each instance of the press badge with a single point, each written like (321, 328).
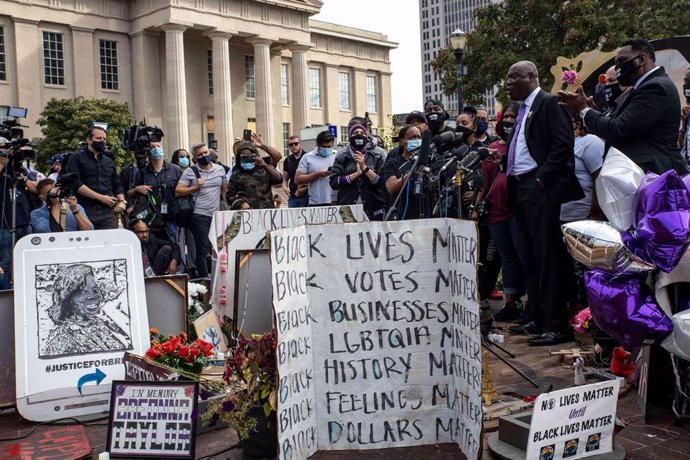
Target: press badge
(164, 208)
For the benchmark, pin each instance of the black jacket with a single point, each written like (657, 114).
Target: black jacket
(645, 126)
(99, 174)
(550, 141)
(349, 193)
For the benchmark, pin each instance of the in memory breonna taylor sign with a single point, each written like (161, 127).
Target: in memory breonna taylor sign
(378, 336)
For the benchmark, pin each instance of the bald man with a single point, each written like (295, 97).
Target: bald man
(541, 176)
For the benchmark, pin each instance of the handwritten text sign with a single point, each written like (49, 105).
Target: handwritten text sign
(576, 422)
(378, 336)
(247, 229)
(152, 419)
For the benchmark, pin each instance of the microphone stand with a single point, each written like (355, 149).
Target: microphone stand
(413, 172)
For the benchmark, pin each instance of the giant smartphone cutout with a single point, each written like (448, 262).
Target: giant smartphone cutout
(80, 304)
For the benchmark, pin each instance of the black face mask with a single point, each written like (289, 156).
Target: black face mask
(625, 71)
(203, 161)
(465, 131)
(686, 91)
(435, 122)
(358, 142)
(98, 146)
(611, 92)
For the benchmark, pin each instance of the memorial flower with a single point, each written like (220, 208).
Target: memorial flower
(177, 352)
(251, 373)
(582, 321)
(569, 76)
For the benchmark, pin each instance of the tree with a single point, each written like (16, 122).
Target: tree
(64, 123)
(542, 30)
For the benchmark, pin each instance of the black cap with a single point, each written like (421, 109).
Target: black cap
(435, 102)
(415, 114)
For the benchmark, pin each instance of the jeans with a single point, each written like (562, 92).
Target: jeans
(199, 227)
(301, 202)
(6, 251)
(507, 236)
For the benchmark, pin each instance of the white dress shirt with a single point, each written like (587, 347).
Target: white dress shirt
(524, 162)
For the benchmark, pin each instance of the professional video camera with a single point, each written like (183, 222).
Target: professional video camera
(138, 139)
(65, 184)
(19, 148)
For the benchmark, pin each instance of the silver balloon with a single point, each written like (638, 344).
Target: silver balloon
(616, 185)
(598, 245)
(678, 342)
(680, 274)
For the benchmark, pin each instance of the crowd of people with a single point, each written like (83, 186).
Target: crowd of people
(545, 152)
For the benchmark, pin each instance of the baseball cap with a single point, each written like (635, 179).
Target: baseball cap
(57, 158)
(415, 115)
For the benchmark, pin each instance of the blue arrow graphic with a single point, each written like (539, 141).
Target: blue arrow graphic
(97, 376)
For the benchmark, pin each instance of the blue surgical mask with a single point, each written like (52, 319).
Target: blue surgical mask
(247, 166)
(184, 161)
(157, 153)
(482, 126)
(413, 144)
(325, 151)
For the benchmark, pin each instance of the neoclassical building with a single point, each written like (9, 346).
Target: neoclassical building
(200, 69)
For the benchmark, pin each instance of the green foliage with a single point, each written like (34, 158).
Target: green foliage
(542, 30)
(64, 123)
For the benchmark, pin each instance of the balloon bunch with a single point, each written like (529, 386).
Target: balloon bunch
(647, 233)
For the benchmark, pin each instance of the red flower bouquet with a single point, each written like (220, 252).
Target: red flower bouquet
(178, 353)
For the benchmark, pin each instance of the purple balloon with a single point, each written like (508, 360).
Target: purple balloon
(662, 230)
(623, 307)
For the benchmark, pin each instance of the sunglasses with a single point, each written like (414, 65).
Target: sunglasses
(292, 144)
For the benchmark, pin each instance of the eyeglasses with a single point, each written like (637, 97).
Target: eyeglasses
(292, 144)
(141, 232)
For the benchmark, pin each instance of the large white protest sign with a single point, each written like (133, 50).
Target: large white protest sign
(378, 336)
(247, 229)
(574, 423)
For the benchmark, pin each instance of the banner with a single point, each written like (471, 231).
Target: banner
(248, 229)
(574, 423)
(378, 336)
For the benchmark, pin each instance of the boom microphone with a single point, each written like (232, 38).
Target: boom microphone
(425, 148)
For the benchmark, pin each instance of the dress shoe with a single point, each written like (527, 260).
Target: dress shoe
(527, 328)
(550, 338)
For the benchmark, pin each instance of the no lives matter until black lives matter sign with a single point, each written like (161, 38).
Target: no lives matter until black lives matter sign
(378, 336)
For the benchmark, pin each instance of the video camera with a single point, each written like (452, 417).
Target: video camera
(19, 148)
(65, 185)
(138, 138)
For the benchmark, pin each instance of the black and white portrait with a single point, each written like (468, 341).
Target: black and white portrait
(83, 308)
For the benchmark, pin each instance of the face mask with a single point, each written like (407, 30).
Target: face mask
(184, 161)
(686, 91)
(482, 126)
(508, 127)
(325, 151)
(435, 121)
(203, 161)
(611, 92)
(358, 142)
(413, 144)
(98, 146)
(464, 130)
(157, 153)
(247, 166)
(625, 71)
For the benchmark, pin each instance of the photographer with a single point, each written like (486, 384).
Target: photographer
(58, 214)
(253, 178)
(98, 184)
(358, 174)
(150, 183)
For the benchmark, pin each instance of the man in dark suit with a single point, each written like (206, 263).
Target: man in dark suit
(540, 166)
(645, 125)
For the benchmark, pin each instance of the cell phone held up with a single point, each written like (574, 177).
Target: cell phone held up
(247, 135)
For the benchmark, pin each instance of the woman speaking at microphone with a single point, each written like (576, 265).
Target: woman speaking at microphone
(398, 169)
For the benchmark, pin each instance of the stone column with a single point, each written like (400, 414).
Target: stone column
(264, 91)
(28, 54)
(85, 75)
(385, 103)
(177, 126)
(222, 94)
(300, 87)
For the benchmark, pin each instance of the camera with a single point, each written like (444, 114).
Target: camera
(138, 138)
(66, 183)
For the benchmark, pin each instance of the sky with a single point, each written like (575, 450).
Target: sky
(399, 20)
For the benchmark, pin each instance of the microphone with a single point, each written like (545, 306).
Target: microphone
(458, 153)
(472, 160)
(425, 148)
(443, 138)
